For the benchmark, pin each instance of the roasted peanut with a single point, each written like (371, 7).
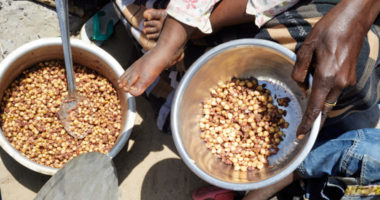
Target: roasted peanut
(28, 114)
(244, 127)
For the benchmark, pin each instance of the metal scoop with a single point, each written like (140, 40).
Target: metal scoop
(73, 99)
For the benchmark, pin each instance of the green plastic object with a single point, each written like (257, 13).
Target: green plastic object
(98, 36)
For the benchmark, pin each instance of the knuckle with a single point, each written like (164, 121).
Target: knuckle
(150, 23)
(297, 76)
(321, 76)
(324, 75)
(314, 112)
(311, 114)
(343, 82)
(301, 56)
(352, 80)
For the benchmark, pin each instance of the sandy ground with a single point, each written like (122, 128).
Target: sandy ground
(148, 168)
(22, 21)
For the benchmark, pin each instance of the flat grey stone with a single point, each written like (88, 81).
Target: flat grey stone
(89, 176)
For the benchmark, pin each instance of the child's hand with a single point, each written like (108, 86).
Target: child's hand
(168, 50)
(142, 73)
(154, 20)
(145, 70)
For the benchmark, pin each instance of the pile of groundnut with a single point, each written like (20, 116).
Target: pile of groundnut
(29, 119)
(241, 125)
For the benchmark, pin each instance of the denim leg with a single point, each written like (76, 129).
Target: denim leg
(353, 154)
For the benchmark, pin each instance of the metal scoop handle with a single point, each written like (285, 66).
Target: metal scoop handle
(62, 11)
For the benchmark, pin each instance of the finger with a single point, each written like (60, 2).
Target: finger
(136, 90)
(157, 14)
(129, 79)
(320, 90)
(132, 80)
(304, 58)
(122, 80)
(123, 75)
(153, 36)
(331, 99)
(130, 84)
(150, 30)
(152, 23)
(342, 81)
(139, 87)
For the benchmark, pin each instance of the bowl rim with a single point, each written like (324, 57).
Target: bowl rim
(177, 103)
(93, 49)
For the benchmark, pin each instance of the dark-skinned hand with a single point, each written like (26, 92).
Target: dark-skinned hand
(332, 49)
(168, 50)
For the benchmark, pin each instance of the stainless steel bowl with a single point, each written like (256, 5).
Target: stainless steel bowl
(88, 55)
(270, 63)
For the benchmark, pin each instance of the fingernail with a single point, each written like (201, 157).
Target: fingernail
(133, 88)
(300, 137)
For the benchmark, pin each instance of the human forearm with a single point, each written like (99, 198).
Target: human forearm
(230, 12)
(332, 48)
(372, 7)
(173, 38)
(363, 12)
(145, 70)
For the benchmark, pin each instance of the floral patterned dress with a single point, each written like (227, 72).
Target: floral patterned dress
(196, 13)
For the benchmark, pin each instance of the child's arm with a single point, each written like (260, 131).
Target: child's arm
(170, 44)
(145, 70)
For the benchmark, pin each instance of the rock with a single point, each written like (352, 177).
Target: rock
(88, 176)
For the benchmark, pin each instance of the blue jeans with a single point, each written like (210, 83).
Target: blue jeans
(353, 154)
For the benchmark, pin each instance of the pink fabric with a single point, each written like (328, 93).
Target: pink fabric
(196, 13)
(212, 192)
(265, 10)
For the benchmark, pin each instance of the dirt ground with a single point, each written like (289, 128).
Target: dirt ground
(148, 168)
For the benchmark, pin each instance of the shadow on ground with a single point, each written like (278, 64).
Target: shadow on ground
(169, 179)
(30, 179)
(146, 138)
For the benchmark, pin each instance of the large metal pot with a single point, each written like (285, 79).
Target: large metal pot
(270, 63)
(88, 55)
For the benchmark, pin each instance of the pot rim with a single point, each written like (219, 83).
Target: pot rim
(177, 104)
(93, 49)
